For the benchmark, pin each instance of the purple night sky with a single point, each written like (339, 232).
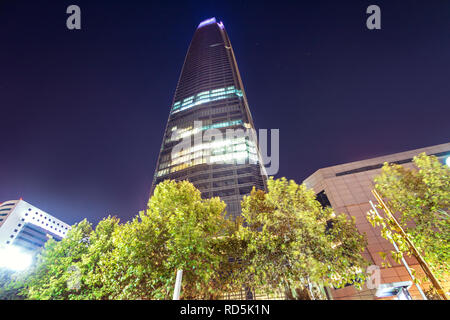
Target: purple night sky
(83, 112)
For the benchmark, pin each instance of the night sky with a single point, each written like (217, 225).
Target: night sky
(83, 112)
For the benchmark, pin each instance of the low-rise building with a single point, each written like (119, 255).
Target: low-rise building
(347, 189)
(25, 226)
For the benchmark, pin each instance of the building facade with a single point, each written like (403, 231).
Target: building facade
(207, 139)
(27, 227)
(347, 189)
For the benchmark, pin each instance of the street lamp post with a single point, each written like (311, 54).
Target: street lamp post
(403, 258)
(176, 292)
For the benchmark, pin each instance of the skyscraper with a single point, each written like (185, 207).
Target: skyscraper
(209, 103)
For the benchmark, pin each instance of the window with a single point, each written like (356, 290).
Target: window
(199, 177)
(245, 190)
(203, 186)
(7, 204)
(244, 170)
(223, 174)
(224, 193)
(205, 97)
(223, 183)
(323, 199)
(246, 180)
(219, 115)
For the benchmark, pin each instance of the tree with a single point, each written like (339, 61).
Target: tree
(420, 197)
(67, 269)
(51, 275)
(291, 241)
(178, 230)
(287, 238)
(9, 288)
(138, 259)
(101, 243)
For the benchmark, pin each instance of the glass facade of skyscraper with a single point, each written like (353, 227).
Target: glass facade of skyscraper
(204, 141)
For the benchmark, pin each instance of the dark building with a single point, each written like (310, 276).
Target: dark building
(209, 101)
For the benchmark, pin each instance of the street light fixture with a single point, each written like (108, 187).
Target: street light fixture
(397, 289)
(13, 258)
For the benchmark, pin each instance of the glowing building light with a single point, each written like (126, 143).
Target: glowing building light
(13, 258)
(185, 132)
(447, 161)
(205, 97)
(206, 22)
(221, 151)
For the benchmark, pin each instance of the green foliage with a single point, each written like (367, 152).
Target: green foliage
(9, 287)
(138, 259)
(421, 198)
(64, 270)
(179, 230)
(49, 277)
(288, 244)
(284, 241)
(101, 243)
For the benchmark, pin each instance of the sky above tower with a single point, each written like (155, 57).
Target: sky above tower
(84, 111)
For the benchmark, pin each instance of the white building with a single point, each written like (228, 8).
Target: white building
(28, 227)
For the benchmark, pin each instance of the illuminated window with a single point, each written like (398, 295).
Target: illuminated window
(205, 97)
